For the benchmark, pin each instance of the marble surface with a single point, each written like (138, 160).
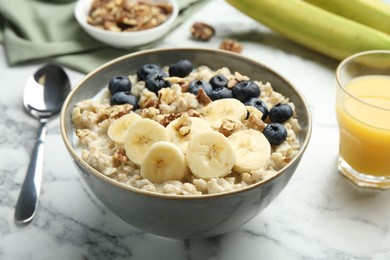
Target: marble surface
(319, 215)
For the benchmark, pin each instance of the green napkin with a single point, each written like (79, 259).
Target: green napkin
(47, 30)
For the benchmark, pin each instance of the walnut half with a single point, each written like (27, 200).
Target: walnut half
(231, 45)
(202, 31)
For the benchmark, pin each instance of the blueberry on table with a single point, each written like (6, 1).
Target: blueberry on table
(218, 81)
(275, 133)
(259, 105)
(119, 84)
(280, 113)
(245, 90)
(145, 70)
(220, 93)
(155, 82)
(197, 84)
(121, 98)
(181, 68)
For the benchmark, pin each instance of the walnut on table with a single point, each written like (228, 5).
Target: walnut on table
(231, 45)
(202, 31)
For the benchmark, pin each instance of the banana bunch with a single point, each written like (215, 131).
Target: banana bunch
(373, 13)
(191, 144)
(336, 28)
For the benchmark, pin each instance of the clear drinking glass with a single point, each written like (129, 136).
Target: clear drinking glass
(363, 116)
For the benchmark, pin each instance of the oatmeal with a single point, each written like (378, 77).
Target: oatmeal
(187, 131)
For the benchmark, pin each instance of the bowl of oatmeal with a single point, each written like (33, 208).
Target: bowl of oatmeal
(126, 23)
(185, 143)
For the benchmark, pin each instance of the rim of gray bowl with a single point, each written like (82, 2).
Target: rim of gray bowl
(129, 188)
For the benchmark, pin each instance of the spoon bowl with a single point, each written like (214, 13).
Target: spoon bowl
(43, 96)
(45, 91)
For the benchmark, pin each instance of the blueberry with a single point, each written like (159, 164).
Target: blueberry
(280, 113)
(197, 84)
(218, 81)
(181, 68)
(145, 70)
(119, 84)
(155, 82)
(245, 90)
(220, 93)
(275, 133)
(260, 105)
(121, 98)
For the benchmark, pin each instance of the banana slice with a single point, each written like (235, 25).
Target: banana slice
(210, 155)
(163, 162)
(228, 108)
(253, 150)
(118, 129)
(184, 128)
(140, 137)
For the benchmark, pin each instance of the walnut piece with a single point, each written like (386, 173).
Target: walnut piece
(254, 119)
(193, 113)
(202, 97)
(202, 31)
(183, 125)
(169, 118)
(232, 82)
(150, 112)
(120, 156)
(227, 127)
(231, 45)
(181, 81)
(118, 111)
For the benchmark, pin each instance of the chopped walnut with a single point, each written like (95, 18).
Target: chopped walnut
(193, 113)
(232, 82)
(202, 31)
(227, 127)
(184, 87)
(287, 160)
(151, 113)
(128, 15)
(148, 99)
(183, 125)
(120, 156)
(254, 120)
(117, 111)
(231, 45)
(183, 83)
(169, 118)
(202, 97)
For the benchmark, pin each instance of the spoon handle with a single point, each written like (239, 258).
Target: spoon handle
(28, 197)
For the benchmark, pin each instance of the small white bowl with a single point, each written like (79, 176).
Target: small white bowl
(123, 40)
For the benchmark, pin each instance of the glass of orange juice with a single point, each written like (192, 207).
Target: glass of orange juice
(363, 116)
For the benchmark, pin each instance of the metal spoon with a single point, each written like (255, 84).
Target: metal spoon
(43, 96)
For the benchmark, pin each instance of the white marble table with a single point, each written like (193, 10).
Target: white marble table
(319, 215)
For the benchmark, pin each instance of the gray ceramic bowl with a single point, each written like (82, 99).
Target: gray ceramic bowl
(178, 216)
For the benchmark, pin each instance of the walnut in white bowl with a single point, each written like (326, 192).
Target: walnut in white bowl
(126, 23)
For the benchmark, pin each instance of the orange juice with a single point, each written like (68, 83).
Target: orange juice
(364, 123)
